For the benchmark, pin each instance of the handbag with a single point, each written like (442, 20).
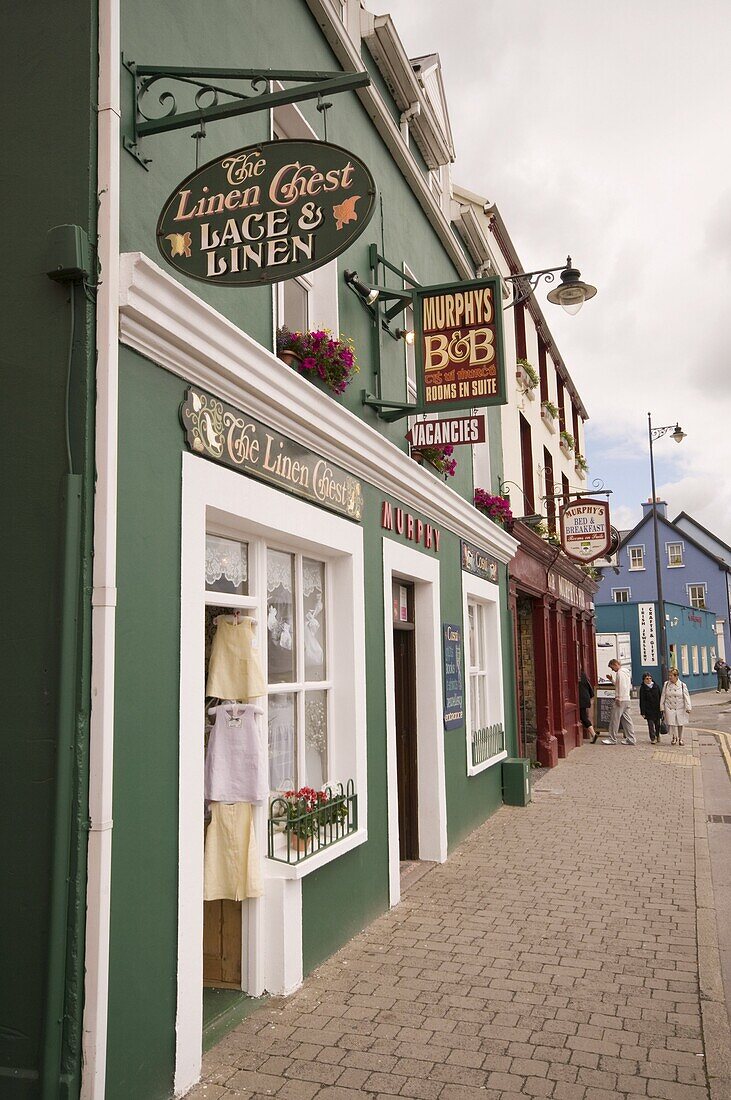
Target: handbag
(663, 726)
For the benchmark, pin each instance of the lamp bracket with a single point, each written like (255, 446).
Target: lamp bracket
(212, 102)
(658, 433)
(389, 410)
(525, 283)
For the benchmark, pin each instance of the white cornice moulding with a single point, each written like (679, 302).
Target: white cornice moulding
(167, 323)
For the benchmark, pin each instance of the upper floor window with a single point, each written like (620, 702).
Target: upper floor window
(697, 596)
(675, 554)
(637, 557)
(621, 595)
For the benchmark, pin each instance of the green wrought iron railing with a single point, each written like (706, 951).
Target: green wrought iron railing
(487, 742)
(298, 828)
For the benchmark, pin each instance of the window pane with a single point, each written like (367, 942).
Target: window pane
(295, 306)
(281, 647)
(282, 742)
(475, 715)
(227, 565)
(316, 739)
(313, 594)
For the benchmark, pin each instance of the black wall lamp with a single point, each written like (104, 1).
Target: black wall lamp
(570, 294)
(368, 294)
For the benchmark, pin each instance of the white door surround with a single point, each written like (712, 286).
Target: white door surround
(404, 563)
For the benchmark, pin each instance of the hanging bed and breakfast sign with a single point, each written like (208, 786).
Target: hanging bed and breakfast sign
(459, 346)
(586, 532)
(218, 431)
(266, 213)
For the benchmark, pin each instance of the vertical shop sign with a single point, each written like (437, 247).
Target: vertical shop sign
(453, 680)
(648, 639)
(459, 346)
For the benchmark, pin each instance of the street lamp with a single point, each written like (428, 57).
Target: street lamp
(678, 435)
(570, 294)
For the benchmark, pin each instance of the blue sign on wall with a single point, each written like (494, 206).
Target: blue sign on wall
(453, 680)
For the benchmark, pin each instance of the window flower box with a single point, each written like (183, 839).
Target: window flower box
(496, 508)
(549, 416)
(581, 466)
(527, 379)
(439, 457)
(327, 360)
(304, 822)
(567, 443)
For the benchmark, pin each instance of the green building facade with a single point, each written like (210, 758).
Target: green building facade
(139, 537)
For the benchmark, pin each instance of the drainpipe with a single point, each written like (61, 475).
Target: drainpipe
(63, 808)
(411, 111)
(104, 596)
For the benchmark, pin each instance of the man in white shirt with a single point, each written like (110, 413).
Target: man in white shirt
(620, 677)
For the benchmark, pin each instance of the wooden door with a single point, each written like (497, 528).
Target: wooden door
(404, 660)
(222, 926)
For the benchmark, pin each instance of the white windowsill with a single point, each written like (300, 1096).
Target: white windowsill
(475, 769)
(679, 565)
(636, 569)
(274, 869)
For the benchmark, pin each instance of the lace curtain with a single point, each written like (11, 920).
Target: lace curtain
(226, 558)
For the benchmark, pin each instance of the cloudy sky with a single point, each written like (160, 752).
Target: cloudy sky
(601, 129)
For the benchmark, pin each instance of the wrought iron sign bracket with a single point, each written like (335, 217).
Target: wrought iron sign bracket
(212, 102)
(525, 283)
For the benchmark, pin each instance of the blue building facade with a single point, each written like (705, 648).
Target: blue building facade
(691, 641)
(695, 575)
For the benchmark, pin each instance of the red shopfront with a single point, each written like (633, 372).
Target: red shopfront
(551, 602)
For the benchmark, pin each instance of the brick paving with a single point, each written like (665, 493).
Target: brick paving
(554, 955)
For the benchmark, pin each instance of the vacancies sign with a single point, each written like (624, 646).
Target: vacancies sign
(459, 346)
(586, 533)
(266, 213)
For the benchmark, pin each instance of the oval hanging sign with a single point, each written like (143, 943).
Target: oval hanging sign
(266, 213)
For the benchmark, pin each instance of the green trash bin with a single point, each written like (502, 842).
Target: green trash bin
(516, 781)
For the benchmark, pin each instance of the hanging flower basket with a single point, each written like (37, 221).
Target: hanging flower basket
(495, 508)
(319, 356)
(440, 457)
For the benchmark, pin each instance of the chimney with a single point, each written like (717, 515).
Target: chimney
(662, 507)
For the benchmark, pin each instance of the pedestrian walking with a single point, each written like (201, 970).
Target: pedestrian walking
(676, 705)
(723, 672)
(650, 706)
(621, 679)
(586, 694)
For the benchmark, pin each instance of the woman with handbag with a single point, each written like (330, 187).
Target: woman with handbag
(676, 705)
(650, 706)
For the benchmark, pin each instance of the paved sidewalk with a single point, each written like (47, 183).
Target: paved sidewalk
(556, 954)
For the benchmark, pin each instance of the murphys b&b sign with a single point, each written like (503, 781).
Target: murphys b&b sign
(266, 213)
(459, 346)
(586, 533)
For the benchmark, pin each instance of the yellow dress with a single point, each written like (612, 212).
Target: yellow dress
(234, 671)
(231, 862)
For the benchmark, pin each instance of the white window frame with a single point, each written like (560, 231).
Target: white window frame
(477, 590)
(220, 500)
(408, 321)
(636, 568)
(704, 589)
(704, 660)
(671, 546)
(684, 663)
(694, 660)
(618, 591)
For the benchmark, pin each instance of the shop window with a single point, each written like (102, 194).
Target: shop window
(684, 665)
(621, 595)
(296, 660)
(637, 557)
(697, 596)
(485, 720)
(675, 554)
(673, 655)
(704, 659)
(694, 659)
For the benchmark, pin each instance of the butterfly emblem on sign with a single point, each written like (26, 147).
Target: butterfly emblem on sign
(344, 211)
(179, 244)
